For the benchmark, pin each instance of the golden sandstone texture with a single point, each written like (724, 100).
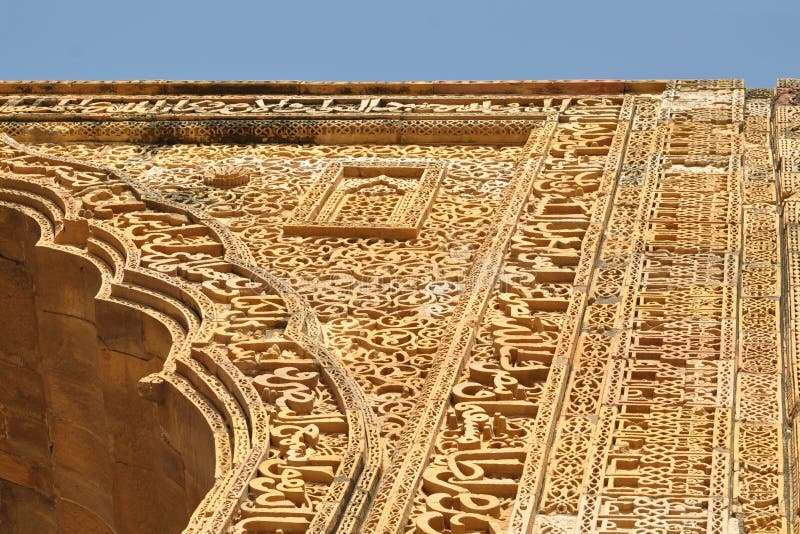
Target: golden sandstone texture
(403, 308)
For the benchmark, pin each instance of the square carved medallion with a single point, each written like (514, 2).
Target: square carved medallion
(387, 198)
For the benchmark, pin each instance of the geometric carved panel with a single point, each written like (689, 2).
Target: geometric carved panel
(385, 198)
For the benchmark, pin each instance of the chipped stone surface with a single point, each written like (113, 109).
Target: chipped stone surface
(446, 307)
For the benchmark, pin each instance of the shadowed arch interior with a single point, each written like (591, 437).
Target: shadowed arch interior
(80, 450)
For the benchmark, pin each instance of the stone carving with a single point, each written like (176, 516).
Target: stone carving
(191, 107)
(306, 428)
(449, 312)
(226, 175)
(368, 198)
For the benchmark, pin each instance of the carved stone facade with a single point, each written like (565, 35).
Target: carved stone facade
(417, 308)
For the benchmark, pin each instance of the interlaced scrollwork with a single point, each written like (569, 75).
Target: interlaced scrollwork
(255, 337)
(450, 313)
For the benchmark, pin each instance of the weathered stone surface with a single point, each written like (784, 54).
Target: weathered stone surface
(446, 307)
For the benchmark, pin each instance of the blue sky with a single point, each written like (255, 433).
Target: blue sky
(403, 40)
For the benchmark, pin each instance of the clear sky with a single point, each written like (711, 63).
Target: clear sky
(401, 40)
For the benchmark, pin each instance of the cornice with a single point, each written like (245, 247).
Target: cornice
(224, 87)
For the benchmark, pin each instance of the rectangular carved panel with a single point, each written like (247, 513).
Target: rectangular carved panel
(386, 198)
